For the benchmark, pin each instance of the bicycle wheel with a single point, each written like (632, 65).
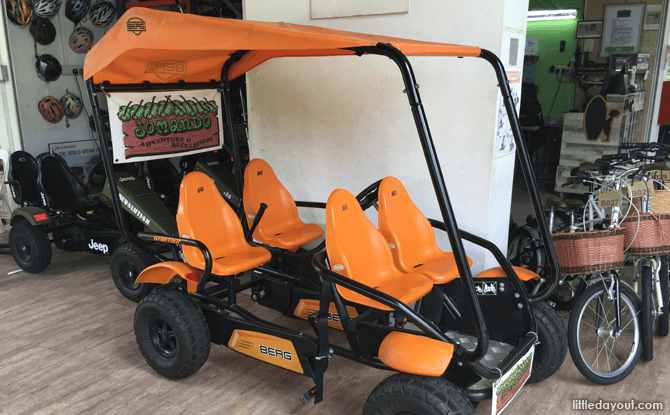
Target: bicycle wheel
(648, 312)
(664, 319)
(599, 355)
(523, 249)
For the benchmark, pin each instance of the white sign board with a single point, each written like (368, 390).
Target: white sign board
(155, 125)
(621, 33)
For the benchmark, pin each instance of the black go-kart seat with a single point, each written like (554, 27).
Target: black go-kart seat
(61, 189)
(22, 179)
(163, 178)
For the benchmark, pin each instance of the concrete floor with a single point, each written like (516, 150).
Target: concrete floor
(67, 347)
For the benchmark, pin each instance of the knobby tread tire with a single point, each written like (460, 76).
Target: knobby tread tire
(553, 347)
(129, 252)
(189, 325)
(415, 394)
(40, 246)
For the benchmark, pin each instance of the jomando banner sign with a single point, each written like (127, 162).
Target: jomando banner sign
(154, 125)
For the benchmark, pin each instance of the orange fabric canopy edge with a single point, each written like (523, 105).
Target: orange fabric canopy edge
(164, 47)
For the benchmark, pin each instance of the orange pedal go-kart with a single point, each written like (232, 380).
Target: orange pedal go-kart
(403, 304)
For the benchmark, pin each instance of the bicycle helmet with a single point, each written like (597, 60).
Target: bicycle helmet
(20, 11)
(43, 31)
(81, 39)
(72, 105)
(76, 10)
(48, 68)
(102, 13)
(46, 8)
(51, 109)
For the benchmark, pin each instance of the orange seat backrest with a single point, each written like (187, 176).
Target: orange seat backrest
(355, 247)
(205, 215)
(404, 226)
(262, 186)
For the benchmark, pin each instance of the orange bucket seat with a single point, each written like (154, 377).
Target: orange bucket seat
(204, 215)
(281, 226)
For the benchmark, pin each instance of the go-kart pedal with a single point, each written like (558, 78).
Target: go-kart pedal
(281, 226)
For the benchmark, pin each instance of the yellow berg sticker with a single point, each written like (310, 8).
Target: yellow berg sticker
(308, 307)
(639, 189)
(270, 349)
(609, 199)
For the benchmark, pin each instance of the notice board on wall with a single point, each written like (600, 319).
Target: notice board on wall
(622, 28)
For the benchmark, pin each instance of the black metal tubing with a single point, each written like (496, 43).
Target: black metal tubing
(257, 219)
(491, 247)
(148, 86)
(316, 205)
(108, 164)
(440, 191)
(155, 237)
(228, 114)
(529, 175)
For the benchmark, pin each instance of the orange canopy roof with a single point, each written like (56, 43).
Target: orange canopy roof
(161, 47)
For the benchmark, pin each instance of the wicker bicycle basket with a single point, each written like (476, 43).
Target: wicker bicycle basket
(651, 238)
(589, 252)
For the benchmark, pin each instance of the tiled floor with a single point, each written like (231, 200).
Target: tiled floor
(67, 347)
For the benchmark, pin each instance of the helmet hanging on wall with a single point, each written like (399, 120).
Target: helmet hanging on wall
(76, 10)
(81, 39)
(43, 31)
(51, 109)
(102, 13)
(46, 8)
(72, 105)
(20, 11)
(48, 68)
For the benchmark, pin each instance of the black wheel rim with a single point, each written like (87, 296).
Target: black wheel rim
(24, 251)
(163, 337)
(129, 273)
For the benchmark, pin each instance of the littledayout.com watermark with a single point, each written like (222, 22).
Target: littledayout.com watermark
(585, 404)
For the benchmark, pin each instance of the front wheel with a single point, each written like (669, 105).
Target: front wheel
(406, 394)
(172, 333)
(127, 263)
(553, 347)
(663, 326)
(30, 247)
(598, 353)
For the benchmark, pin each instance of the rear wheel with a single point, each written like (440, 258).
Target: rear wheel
(664, 319)
(600, 355)
(172, 333)
(553, 347)
(406, 394)
(30, 247)
(127, 263)
(648, 313)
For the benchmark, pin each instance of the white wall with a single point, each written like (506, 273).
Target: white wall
(343, 122)
(37, 133)
(9, 122)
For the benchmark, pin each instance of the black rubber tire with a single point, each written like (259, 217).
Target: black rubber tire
(553, 347)
(663, 322)
(127, 263)
(628, 297)
(172, 333)
(404, 393)
(30, 247)
(566, 304)
(647, 313)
